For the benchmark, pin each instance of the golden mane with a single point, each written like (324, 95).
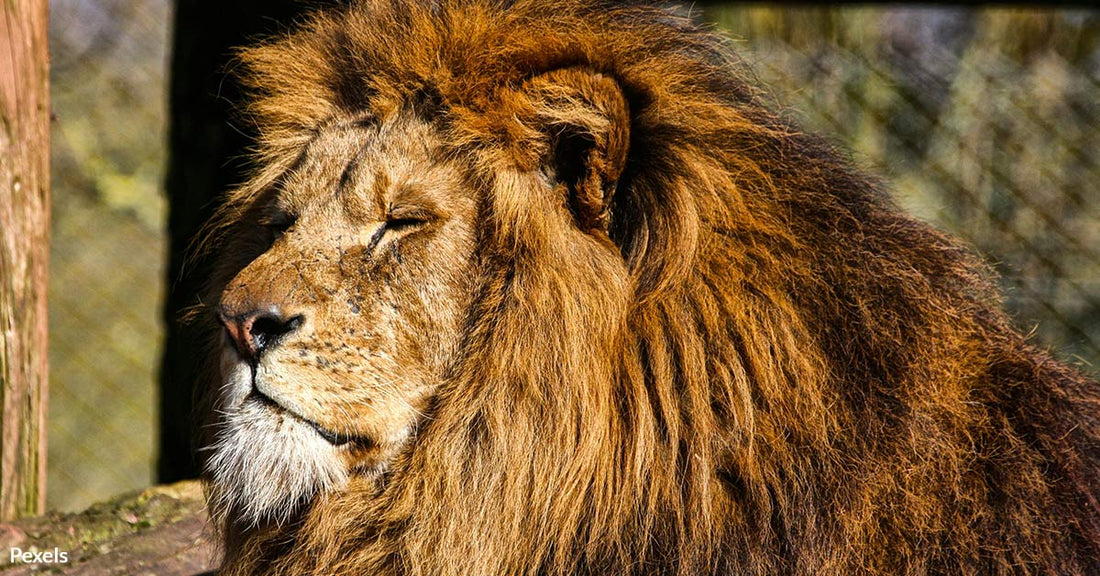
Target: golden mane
(800, 379)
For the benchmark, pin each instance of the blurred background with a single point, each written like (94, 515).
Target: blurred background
(986, 122)
(108, 70)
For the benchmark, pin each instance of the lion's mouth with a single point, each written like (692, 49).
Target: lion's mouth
(334, 438)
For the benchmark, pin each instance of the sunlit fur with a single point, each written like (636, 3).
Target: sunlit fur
(701, 343)
(261, 467)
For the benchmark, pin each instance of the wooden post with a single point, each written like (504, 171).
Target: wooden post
(24, 254)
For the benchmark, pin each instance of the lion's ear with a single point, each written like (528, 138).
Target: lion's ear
(586, 121)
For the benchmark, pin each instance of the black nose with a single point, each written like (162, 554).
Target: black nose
(256, 331)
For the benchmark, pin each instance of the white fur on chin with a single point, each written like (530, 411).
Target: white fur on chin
(265, 464)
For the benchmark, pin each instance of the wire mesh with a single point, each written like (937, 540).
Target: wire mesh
(985, 122)
(107, 249)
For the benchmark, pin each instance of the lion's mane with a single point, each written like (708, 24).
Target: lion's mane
(800, 380)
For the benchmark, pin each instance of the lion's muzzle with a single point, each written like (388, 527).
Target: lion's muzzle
(255, 331)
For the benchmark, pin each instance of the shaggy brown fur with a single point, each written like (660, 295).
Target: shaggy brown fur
(699, 342)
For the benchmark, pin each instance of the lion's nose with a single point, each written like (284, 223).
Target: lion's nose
(256, 331)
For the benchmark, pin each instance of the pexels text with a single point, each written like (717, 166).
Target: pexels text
(55, 556)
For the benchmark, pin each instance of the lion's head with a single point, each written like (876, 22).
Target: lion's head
(359, 272)
(535, 287)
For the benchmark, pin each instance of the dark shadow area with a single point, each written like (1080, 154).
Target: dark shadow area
(208, 137)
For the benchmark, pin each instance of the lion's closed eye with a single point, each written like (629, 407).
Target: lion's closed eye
(398, 224)
(402, 222)
(277, 223)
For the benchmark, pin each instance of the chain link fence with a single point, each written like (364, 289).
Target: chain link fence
(108, 62)
(984, 121)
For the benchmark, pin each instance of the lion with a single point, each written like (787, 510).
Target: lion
(528, 287)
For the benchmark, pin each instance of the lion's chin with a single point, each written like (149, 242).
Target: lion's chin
(264, 465)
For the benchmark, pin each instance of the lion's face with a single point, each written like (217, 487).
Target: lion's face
(346, 316)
